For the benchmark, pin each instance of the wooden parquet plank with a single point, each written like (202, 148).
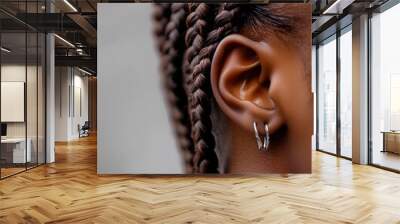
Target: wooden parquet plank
(70, 191)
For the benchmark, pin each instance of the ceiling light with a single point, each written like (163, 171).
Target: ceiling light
(70, 5)
(5, 50)
(79, 51)
(84, 71)
(338, 6)
(65, 41)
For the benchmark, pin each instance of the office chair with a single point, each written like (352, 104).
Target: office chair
(84, 130)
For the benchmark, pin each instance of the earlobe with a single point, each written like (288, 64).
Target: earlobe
(242, 79)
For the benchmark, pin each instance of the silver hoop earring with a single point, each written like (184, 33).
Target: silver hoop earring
(262, 144)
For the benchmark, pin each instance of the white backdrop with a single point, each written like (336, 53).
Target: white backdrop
(134, 136)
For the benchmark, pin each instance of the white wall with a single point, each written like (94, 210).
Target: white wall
(134, 135)
(61, 103)
(67, 117)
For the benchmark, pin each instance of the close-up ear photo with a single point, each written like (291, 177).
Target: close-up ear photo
(237, 80)
(227, 90)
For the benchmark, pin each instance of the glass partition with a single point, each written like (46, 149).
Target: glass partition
(41, 111)
(32, 95)
(334, 94)
(22, 90)
(32, 85)
(327, 95)
(385, 89)
(13, 109)
(346, 93)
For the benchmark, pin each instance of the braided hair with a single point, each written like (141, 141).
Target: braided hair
(170, 21)
(187, 43)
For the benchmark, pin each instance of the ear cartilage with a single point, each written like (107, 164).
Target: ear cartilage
(262, 144)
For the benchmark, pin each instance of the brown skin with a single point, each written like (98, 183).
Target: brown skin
(264, 76)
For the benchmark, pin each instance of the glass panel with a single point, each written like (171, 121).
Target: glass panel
(314, 84)
(22, 89)
(41, 98)
(346, 94)
(31, 100)
(13, 90)
(31, 86)
(385, 84)
(327, 96)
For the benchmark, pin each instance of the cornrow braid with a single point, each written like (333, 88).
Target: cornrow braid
(171, 44)
(223, 26)
(161, 14)
(205, 158)
(198, 23)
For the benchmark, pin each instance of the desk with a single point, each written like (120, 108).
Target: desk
(391, 141)
(13, 150)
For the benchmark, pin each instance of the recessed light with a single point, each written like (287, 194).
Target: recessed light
(5, 50)
(337, 7)
(70, 5)
(64, 40)
(84, 71)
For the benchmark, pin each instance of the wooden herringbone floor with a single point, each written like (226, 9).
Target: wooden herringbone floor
(70, 191)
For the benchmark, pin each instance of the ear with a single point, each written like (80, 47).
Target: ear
(244, 85)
